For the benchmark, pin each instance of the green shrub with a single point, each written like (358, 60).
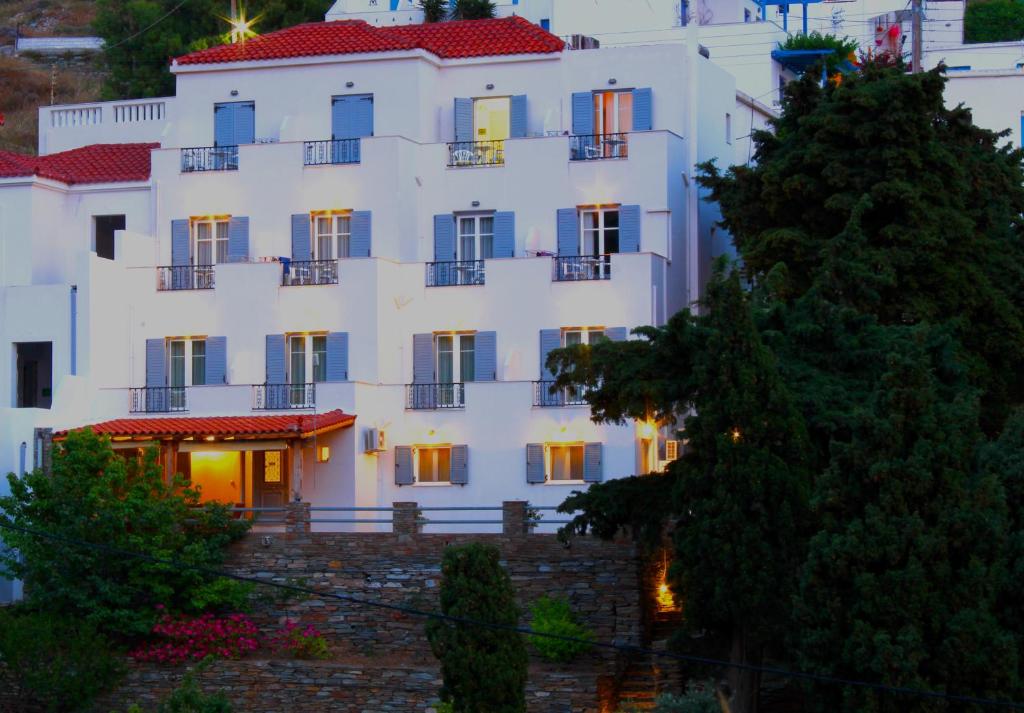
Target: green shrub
(222, 594)
(188, 697)
(699, 698)
(100, 499)
(54, 663)
(994, 21)
(552, 615)
(483, 669)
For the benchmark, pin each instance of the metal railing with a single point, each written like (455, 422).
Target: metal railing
(434, 396)
(273, 397)
(158, 399)
(331, 151)
(353, 520)
(310, 272)
(476, 153)
(209, 158)
(185, 277)
(452, 274)
(592, 147)
(261, 516)
(573, 268)
(543, 396)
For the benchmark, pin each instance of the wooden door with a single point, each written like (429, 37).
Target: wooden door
(270, 479)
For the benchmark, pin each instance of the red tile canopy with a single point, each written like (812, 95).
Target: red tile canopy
(278, 426)
(97, 163)
(447, 40)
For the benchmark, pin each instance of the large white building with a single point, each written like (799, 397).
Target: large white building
(331, 266)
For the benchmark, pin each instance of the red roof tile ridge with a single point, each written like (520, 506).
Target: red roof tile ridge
(93, 163)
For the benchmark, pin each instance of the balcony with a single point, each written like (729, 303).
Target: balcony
(593, 147)
(544, 397)
(330, 152)
(309, 272)
(158, 399)
(209, 158)
(574, 268)
(185, 277)
(435, 396)
(277, 397)
(455, 274)
(476, 153)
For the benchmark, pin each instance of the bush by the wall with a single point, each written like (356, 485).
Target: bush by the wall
(994, 21)
(552, 615)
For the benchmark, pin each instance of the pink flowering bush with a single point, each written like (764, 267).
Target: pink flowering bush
(185, 638)
(302, 642)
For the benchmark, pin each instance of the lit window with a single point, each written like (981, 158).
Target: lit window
(564, 462)
(332, 236)
(211, 241)
(433, 464)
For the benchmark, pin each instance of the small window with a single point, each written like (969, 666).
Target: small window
(332, 236)
(582, 335)
(210, 237)
(307, 357)
(319, 358)
(728, 128)
(545, 24)
(456, 357)
(198, 362)
(433, 464)
(34, 364)
(564, 462)
(104, 227)
(476, 237)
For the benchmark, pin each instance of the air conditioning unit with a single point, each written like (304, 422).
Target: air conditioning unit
(374, 440)
(671, 450)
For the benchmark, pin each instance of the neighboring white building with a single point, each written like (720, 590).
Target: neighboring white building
(395, 224)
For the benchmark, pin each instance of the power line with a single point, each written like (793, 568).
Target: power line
(703, 660)
(148, 27)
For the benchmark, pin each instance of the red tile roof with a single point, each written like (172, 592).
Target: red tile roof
(301, 425)
(448, 40)
(98, 163)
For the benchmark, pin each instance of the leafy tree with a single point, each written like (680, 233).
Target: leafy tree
(841, 48)
(138, 58)
(931, 210)
(474, 10)
(434, 10)
(900, 584)
(994, 21)
(483, 669)
(95, 496)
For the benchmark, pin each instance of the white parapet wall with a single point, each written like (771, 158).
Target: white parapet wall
(68, 126)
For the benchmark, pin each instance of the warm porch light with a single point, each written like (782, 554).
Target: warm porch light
(323, 454)
(210, 438)
(647, 430)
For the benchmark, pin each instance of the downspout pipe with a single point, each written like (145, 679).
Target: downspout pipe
(22, 450)
(74, 330)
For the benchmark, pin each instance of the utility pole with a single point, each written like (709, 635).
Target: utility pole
(915, 65)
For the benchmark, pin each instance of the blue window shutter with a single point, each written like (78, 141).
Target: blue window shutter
(224, 125)
(504, 234)
(423, 358)
(341, 123)
(616, 334)
(216, 360)
(549, 339)
(464, 120)
(403, 465)
(179, 242)
(362, 228)
(444, 237)
(460, 465)
(485, 356)
(362, 119)
(568, 231)
(275, 358)
(352, 116)
(534, 462)
(156, 371)
(517, 117)
(643, 116)
(337, 356)
(301, 242)
(593, 463)
(238, 239)
(629, 229)
(245, 123)
(582, 113)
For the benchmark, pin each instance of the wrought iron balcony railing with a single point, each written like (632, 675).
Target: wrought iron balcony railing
(331, 151)
(185, 277)
(435, 396)
(453, 274)
(476, 153)
(158, 399)
(572, 268)
(274, 397)
(591, 147)
(311, 272)
(209, 158)
(571, 396)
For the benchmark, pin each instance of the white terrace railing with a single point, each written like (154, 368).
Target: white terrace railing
(128, 112)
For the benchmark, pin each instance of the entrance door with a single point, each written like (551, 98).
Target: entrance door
(270, 479)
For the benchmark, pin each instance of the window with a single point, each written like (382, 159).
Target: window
(297, 359)
(491, 119)
(746, 15)
(613, 112)
(728, 128)
(545, 23)
(199, 362)
(476, 237)
(104, 227)
(319, 358)
(433, 464)
(599, 237)
(34, 374)
(583, 335)
(456, 355)
(180, 354)
(307, 356)
(564, 462)
(332, 236)
(211, 241)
